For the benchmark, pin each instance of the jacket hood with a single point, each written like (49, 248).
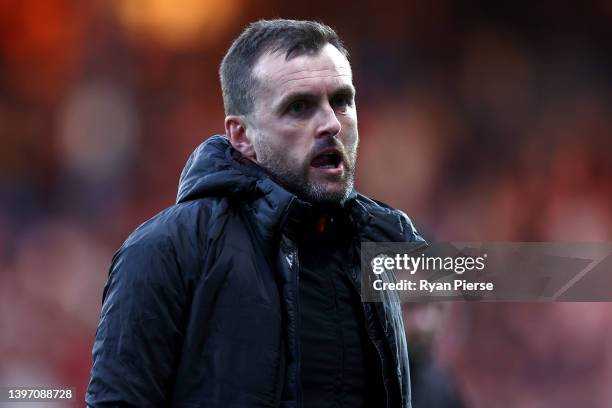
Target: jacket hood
(211, 171)
(216, 169)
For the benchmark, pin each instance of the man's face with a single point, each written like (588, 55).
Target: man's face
(304, 123)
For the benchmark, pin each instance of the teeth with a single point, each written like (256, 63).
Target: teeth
(329, 160)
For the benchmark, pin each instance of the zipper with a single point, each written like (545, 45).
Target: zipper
(397, 363)
(298, 351)
(379, 352)
(380, 314)
(294, 271)
(291, 256)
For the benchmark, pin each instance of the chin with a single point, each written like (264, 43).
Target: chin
(328, 194)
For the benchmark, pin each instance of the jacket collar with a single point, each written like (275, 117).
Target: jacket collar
(216, 169)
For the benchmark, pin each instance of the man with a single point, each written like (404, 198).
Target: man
(246, 292)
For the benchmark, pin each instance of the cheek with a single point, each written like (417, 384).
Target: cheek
(348, 120)
(295, 140)
(290, 146)
(350, 133)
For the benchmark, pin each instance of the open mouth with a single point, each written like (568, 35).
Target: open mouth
(327, 160)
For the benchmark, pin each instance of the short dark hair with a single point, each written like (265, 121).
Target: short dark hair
(292, 37)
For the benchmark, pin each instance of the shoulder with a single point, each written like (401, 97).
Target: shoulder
(393, 224)
(172, 240)
(183, 224)
(169, 224)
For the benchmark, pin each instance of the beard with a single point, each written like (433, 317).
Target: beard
(297, 178)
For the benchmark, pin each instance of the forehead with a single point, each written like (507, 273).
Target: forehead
(304, 72)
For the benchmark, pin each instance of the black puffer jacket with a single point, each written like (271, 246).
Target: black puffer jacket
(200, 308)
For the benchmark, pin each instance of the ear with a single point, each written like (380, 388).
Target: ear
(236, 132)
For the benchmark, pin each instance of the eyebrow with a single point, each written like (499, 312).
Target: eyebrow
(309, 96)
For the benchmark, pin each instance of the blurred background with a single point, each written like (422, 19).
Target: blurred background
(481, 120)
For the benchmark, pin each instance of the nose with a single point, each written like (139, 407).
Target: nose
(329, 124)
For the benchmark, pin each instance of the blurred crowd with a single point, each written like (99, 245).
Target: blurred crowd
(482, 121)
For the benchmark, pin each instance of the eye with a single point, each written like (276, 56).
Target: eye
(342, 101)
(297, 107)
